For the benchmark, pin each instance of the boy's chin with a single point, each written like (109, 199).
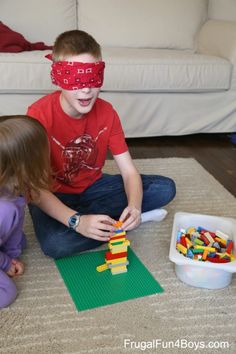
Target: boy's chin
(83, 110)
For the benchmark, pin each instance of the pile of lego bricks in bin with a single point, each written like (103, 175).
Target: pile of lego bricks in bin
(116, 259)
(203, 245)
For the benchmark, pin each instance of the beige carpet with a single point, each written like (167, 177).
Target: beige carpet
(43, 319)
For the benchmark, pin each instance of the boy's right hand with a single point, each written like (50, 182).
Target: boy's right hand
(98, 227)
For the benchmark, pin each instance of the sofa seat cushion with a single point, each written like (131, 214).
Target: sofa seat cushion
(25, 72)
(131, 69)
(127, 69)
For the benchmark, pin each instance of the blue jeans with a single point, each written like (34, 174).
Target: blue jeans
(106, 196)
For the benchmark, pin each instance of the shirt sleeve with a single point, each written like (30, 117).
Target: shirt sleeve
(7, 217)
(117, 144)
(5, 261)
(36, 114)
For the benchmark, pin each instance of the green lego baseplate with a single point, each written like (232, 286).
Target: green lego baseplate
(90, 289)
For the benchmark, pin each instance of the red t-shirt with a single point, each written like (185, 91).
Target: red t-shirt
(78, 146)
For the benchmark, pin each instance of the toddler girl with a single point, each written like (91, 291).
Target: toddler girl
(24, 169)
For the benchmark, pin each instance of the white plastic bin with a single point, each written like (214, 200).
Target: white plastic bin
(203, 274)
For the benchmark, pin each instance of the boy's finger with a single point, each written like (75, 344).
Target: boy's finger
(127, 223)
(107, 220)
(124, 215)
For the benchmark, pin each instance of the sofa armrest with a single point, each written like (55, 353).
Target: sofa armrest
(218, 38)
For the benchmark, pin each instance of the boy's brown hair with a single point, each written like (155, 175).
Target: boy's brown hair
(75, 42)
(24, 156)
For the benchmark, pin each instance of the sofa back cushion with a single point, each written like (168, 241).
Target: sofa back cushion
(222, 10)
(143, 23)
(39, 20)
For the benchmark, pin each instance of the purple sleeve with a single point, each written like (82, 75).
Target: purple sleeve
(5, 261)
(9, 220)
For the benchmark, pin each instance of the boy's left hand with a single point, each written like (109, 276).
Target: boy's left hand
(131, 218)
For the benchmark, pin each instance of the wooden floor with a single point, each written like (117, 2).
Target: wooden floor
(215, 152)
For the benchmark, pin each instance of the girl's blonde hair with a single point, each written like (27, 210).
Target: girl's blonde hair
(24, 156)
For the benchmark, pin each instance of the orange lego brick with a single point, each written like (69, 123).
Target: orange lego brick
(118, 224)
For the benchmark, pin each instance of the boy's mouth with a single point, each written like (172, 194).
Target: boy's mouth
(85, 102)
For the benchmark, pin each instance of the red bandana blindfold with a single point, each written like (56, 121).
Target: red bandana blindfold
(75, 75)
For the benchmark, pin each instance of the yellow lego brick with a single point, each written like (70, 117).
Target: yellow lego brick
(117, 260)
(102, 267)
(222, 255)
(221, 240)
(119, 270)
(123, 244)
(209, 249)
(232, 257)
(114, 241)
(119, 250)
(189, 243)
(181, 248)
(191, 230)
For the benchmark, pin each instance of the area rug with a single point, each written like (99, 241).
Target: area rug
(43, 319)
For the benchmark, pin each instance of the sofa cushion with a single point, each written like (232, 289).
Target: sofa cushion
(139, 23)
(218, 37)
(39, 22)
(150, 70)
(222, 10)
(131, 69)
(25, 72)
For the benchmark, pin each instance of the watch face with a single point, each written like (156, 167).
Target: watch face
(73, 221)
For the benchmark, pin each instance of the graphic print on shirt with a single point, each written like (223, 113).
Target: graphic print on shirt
(79, 153)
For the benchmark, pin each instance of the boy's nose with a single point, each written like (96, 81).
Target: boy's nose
(86, 89)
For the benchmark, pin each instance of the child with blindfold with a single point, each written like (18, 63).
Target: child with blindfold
(80, 213)
(24, 169)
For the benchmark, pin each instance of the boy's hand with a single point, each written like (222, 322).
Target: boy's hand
(17, 268)
(131, 218)
(98, 227)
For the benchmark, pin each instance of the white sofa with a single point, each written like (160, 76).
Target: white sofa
(170, 64)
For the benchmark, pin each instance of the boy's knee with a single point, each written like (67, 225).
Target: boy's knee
(68, 245)
(56, 250)
(53, 251)
(172, 189)
(159, 192)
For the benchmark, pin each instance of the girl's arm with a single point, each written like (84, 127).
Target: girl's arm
(131, 216)
(5, 261)
(8, 235)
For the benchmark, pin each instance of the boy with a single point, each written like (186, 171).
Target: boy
(81, 128)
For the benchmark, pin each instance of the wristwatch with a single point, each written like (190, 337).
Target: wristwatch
(73, 221)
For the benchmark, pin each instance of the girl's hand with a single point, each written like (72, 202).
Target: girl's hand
(131, 218)
(98, 227)
(11, 271)
(17, 268)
